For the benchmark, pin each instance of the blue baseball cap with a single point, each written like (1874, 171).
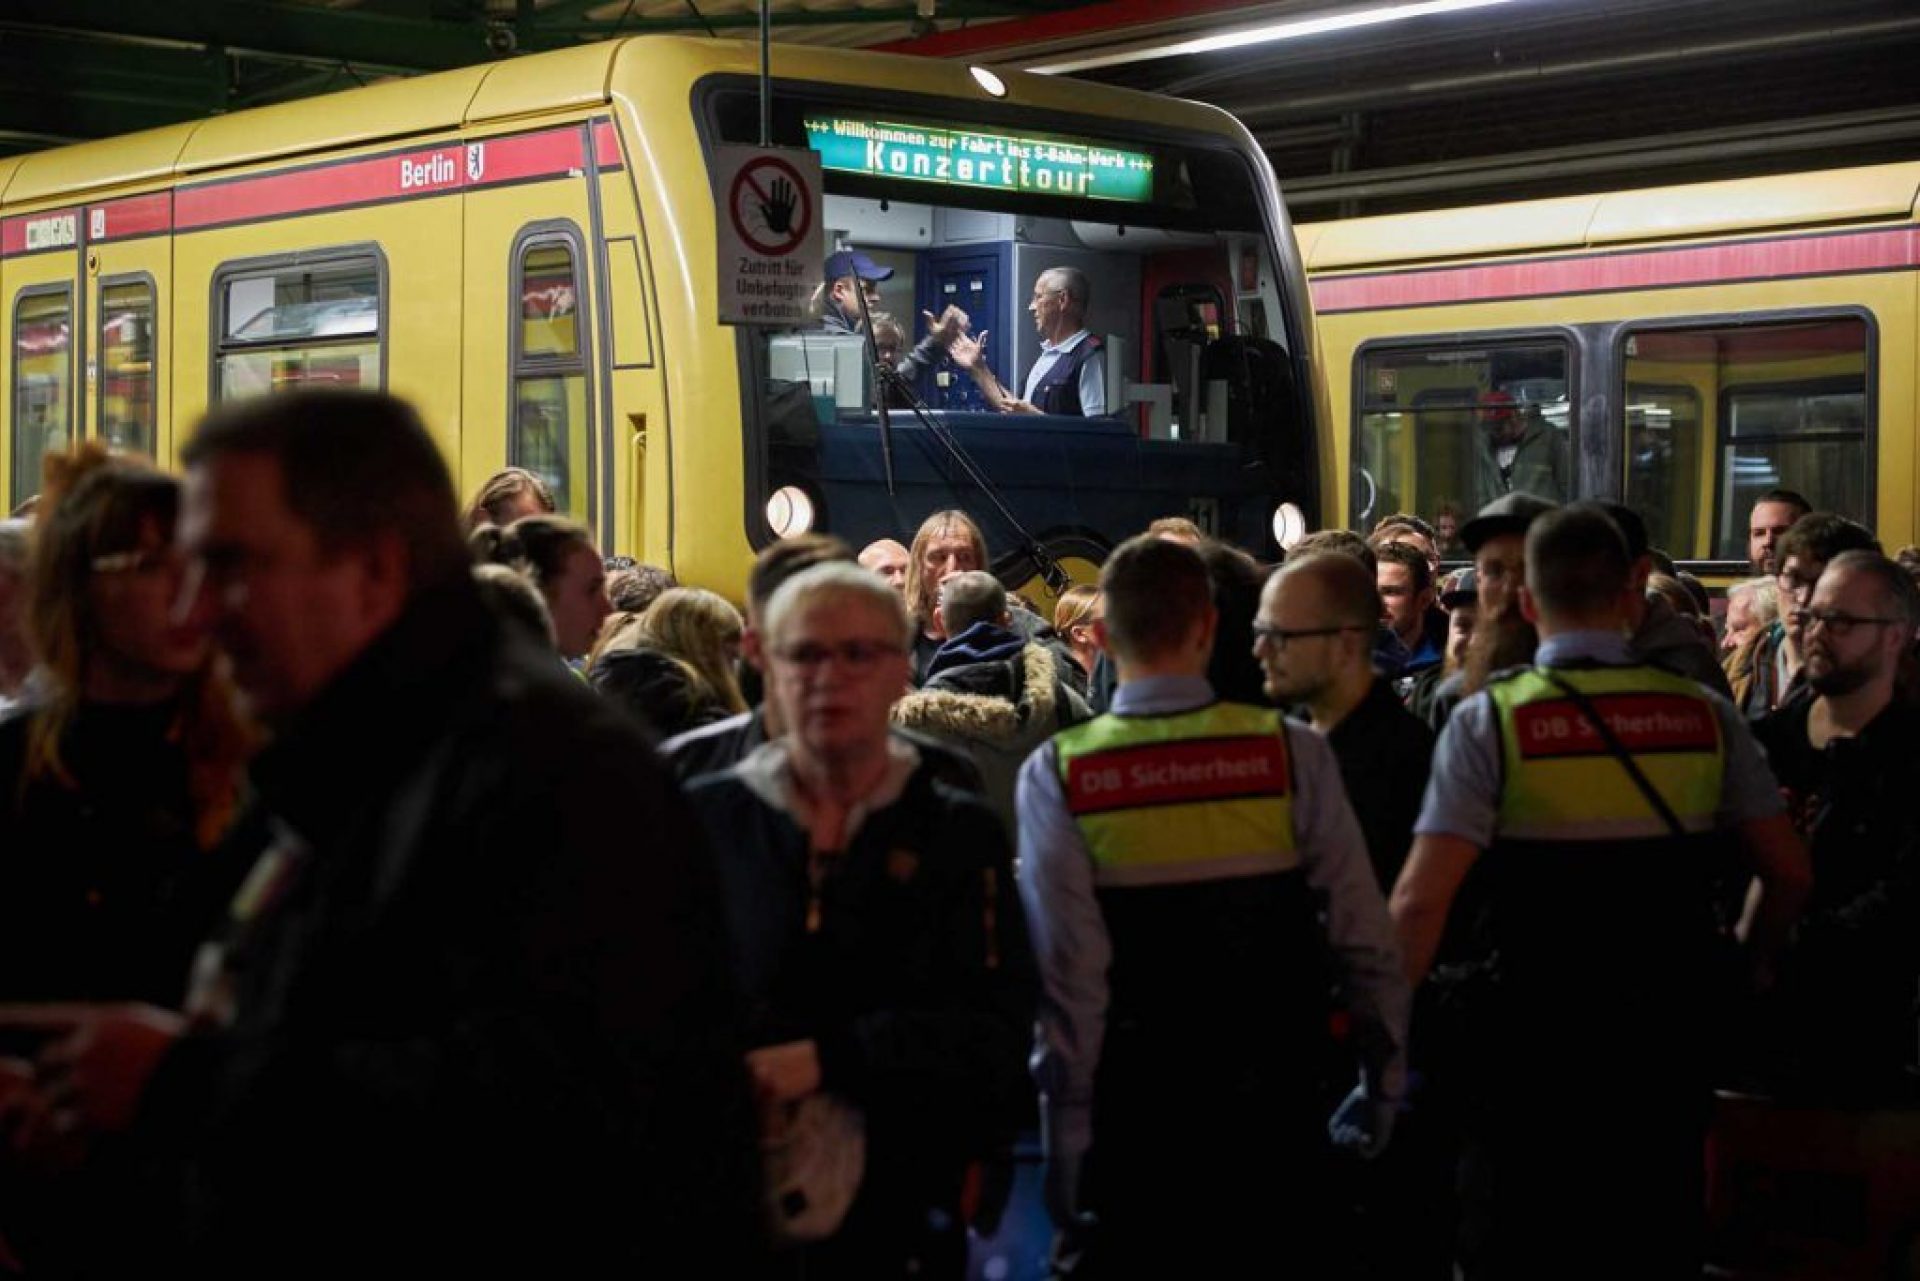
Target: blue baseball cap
(851, 262)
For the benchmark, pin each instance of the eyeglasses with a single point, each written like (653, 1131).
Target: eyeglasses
(1281, 637)
(854, 655)
(1838, 625)
(145, 560)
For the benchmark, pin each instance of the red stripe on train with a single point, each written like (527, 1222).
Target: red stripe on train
(1817, 255)
(429, 171)
(134, 216)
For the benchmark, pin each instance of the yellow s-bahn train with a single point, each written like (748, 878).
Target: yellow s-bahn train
(527, 251)
(1681, 350)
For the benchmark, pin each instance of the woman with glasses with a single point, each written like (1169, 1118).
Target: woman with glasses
(876, 942)
(118, 777)
(123, 771)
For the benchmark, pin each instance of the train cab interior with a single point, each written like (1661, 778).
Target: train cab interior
(1204, 411)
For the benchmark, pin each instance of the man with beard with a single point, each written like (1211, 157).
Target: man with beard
(1770, 669)
(1774, 513)
(1849, 760)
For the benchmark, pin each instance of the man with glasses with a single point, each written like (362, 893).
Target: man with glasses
(1772, 666)
(879, 951)
(1314, 639)
(1070, 377)
(1849, 760)
(1174, 855)
(1591, 798)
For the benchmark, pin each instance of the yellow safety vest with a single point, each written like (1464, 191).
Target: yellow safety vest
(1192, 796)
(1561, 782)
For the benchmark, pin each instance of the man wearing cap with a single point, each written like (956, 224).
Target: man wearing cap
(1460, 601)
(1496, 539)
(849, 273)
(1658, 635)
(1592, 798)
(1521, 453)
(1070, 377)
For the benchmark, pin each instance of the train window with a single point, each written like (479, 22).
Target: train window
(127, 365)
(1788, 406)
(298, 322)
(552, 416)
(42, 383)
(1666, 461)
(1444, 430)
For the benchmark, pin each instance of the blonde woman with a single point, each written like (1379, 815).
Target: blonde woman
(1074, 615)
(674, 666)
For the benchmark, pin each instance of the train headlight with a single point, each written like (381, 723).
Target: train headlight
(1289, 525)
(789, 511)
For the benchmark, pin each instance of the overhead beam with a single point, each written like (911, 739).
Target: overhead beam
(1619, 156)
(296, 32)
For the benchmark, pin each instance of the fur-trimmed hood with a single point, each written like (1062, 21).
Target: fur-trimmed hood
(977, 702)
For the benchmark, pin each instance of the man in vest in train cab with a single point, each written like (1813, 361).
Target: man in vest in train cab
(1519, 452)
(1070, 377)
(1173, 856)
(1594, 801)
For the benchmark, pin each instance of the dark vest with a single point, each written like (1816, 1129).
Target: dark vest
(1601, 913)
(1058, 391)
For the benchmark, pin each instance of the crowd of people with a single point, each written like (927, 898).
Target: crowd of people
(383, 885)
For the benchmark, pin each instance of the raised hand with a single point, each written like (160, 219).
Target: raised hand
(951, 323)
(967, 352)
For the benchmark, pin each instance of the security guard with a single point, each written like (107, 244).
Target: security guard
(1596, 797)
(1173, 854)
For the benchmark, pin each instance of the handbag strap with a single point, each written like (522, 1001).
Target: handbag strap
(1620, 753)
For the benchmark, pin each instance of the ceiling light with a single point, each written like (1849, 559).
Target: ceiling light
(1270, 33)
(987, 80)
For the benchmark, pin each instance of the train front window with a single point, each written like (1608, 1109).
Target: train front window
(1092, 323)
(1718, 415)
(1443, 430)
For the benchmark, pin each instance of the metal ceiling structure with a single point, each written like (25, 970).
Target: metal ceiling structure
(1516, 98)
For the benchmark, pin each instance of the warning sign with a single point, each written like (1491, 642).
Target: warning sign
(768, 224)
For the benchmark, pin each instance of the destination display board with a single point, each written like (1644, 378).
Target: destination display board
(981, 160)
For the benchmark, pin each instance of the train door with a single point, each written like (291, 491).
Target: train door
(45, 337)
(531, 380)
(128, 292)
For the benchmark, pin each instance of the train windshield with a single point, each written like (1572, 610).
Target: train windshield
(1086, 322)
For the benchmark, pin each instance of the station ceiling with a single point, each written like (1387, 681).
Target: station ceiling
(1510, 99)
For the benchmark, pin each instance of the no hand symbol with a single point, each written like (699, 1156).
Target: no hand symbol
(770, 206)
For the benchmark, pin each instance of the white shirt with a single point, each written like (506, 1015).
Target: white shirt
(1093, 374)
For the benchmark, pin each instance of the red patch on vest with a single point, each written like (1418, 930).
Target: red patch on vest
(1644, 723)
(1176, 773)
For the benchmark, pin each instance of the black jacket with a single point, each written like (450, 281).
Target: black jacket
(104, 892)
(485, 1028)
(1844, 1005)
(919, 986)
(1385, 754)
(656, 689)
